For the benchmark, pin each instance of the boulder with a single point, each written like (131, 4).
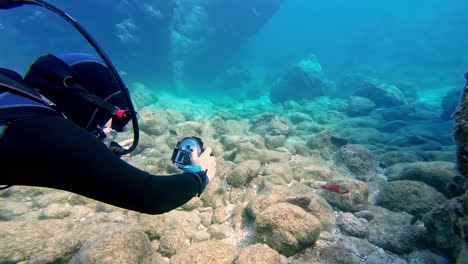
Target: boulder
(19, 240)
(394, 232)
(426, 257)
(400, 112)
(436, 173)
(364, 135)
(287, 228)
(381, 94)
(359, 161)
(419, 197)
(10, 209)
(265, 199)
(354, 201)
(200, 236)
(449, 156)
(247, 151)
(349, 84)
(244, 173)
(55, 210)
(327, 143)
(50, 197)
(273, 142)
(270, 124)
(207, 252)
(313, 171)
(153, 121)
(258, 254)
(447, 226)
(114, 243)
(280, 169)
(417, 141)
(153, 225)
(220, 215)
(393, 172)
(392, 126)
(231, 142)
(316, 205)
(55, 241)
(219, 232)
(188, 129)
(352, 226)
(172, 242)
(390, 158)
(214, 194)
(299, 117)
(303, 81)
(186, 222)
(360, 106)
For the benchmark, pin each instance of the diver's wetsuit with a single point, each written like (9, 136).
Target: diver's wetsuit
(50, 151)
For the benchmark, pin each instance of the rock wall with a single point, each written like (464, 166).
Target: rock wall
(461, 131)
(206, 33)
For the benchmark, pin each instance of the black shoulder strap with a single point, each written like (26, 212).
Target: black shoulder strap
(8, 84)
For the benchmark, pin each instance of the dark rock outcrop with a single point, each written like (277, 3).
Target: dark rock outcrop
(449, 103)
(461, 131)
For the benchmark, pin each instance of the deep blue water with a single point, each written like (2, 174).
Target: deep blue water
(422, 42)
(233, 51)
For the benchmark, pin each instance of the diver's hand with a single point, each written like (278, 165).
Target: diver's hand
(206, 161)
(126, 143)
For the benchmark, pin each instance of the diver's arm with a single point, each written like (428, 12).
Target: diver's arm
(54, 152)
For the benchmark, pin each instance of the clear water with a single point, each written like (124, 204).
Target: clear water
(202, 57)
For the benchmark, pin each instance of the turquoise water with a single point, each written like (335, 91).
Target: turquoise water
(292, 96)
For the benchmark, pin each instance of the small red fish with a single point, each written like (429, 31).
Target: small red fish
(336, 188)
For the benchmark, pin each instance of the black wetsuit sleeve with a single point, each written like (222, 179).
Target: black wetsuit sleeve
(54, 152)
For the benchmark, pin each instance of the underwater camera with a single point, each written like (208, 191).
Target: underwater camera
(182, 155)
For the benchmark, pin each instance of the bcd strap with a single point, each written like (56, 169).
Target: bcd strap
(95, 100)
(10, 85)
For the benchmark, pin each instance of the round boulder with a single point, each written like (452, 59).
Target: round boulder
(270, 124)
(354, 201)
(304, 80)
(393, 157)
(265, 199)
(352, 226)
(316, 205)
(419, 197)
(359, 161)
(435, 173)
(280, 169)
(118, 244)
(381, 94)
(394, 232)
(327, 143)
(258, 254)
(244, 173)
(207, 252)
(360, 106)
(172, 242)
(19, 240)
(287, 228)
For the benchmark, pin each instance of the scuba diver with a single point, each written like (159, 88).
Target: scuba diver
(53, 127)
